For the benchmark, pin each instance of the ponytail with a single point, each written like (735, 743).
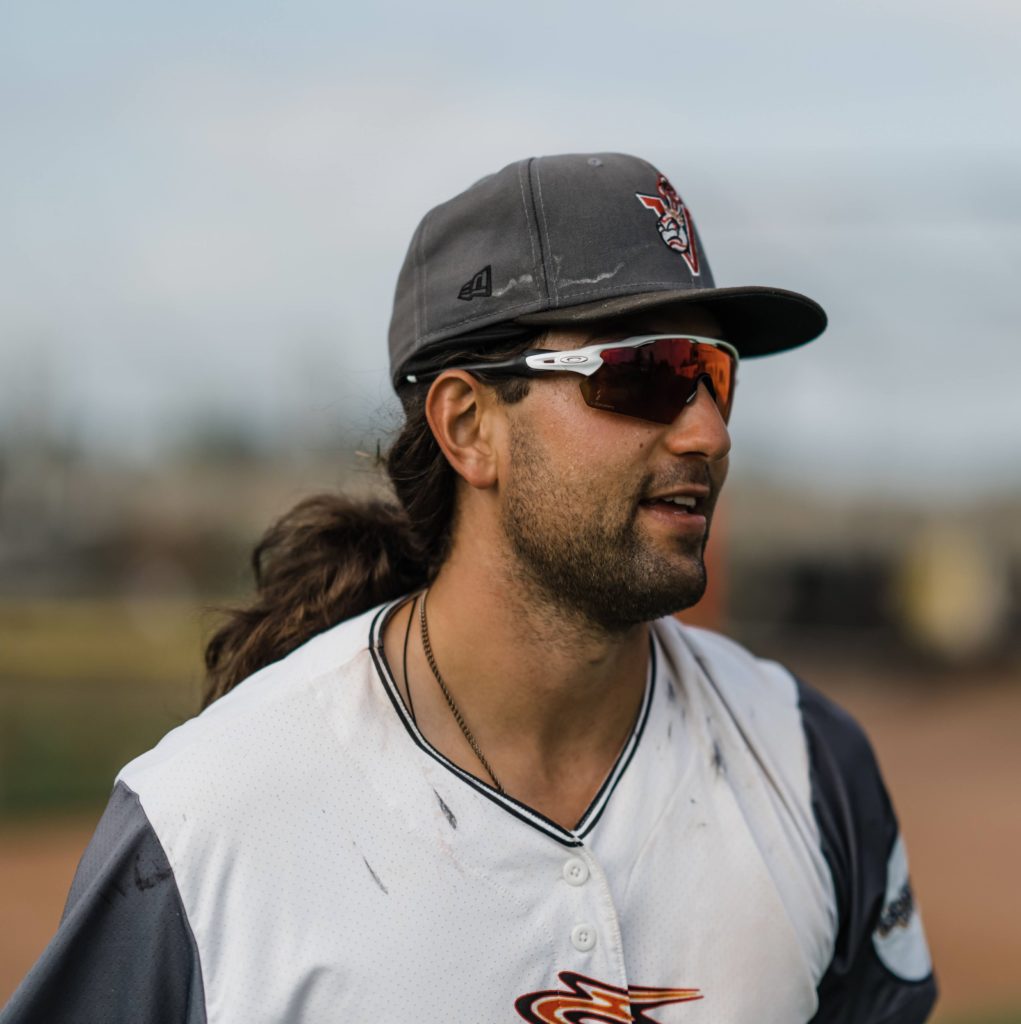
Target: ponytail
(332, 557)
(328, 559)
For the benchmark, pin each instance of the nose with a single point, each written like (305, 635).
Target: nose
(699, 429)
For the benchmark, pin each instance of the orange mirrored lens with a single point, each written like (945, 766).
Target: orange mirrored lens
(655, 381)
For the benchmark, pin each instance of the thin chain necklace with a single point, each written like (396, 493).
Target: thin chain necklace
(407, 636)
(454, 709)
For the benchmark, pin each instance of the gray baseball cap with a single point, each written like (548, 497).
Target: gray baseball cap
(565, 240)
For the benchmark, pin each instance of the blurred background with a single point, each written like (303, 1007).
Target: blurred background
(204, 210)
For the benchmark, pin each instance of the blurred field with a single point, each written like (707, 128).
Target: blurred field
(86, 685)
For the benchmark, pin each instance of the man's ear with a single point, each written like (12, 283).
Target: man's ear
(461, 413)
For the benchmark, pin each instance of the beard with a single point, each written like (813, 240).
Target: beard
(588, 557)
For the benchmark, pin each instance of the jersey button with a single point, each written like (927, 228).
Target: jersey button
(583, 936)
(576, 871)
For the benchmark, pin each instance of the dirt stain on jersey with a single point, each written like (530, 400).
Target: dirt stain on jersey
(447, 812)
(719, 765)
(151, 876)
(376, 878)
(114, 886)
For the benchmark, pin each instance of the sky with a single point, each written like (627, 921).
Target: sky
(204, 207)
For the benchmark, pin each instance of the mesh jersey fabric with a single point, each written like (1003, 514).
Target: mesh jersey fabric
(319, 860)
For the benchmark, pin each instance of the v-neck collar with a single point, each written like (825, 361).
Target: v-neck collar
(567, 837)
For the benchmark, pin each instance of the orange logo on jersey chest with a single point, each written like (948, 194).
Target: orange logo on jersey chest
(587, 1001)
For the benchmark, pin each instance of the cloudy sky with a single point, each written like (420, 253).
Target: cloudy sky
(205, 205)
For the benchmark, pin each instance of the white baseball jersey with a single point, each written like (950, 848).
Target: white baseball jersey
(299, 852)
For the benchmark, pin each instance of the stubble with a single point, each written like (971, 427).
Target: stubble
(587, 556)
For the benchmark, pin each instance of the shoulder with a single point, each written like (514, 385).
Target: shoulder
(820, 757)
(834, 733)
(736, 668)
(124, 949)
(751, 686)
(759, 696)
(261, 742)
(826, 752)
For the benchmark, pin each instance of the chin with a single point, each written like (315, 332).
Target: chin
(662, 596)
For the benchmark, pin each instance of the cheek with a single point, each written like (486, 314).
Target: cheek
(581, 448)
(585, 435)
(553, 416)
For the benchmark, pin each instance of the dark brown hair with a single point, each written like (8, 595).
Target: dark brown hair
(332, 557)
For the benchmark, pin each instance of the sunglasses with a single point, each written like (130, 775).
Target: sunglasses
(651, 376)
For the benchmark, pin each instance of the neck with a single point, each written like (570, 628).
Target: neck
(549, 697)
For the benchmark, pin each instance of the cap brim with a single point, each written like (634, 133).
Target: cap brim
(755, 320)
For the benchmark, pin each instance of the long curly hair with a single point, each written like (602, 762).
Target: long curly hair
(332, 557)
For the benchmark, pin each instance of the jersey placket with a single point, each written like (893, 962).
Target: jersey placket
(588, 972)
(577, 959)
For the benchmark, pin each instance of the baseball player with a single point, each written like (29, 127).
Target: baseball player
(459, 762)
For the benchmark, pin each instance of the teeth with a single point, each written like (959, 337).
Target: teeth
(686, 502)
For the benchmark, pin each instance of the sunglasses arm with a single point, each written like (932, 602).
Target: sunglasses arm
(519, 366)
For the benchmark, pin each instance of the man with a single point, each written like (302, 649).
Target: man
(474, 770)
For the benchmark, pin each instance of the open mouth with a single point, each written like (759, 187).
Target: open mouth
(683, 513)
(677, 504)
(682, 502)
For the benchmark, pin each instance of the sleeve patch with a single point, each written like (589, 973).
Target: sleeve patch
(899, 939)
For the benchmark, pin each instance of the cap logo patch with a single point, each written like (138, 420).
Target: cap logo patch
(675, 224)
(479, 287)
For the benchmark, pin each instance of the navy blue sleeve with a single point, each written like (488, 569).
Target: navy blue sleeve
(880, 972)
(124, 951)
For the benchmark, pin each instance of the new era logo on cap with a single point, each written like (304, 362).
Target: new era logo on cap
(479, 287)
